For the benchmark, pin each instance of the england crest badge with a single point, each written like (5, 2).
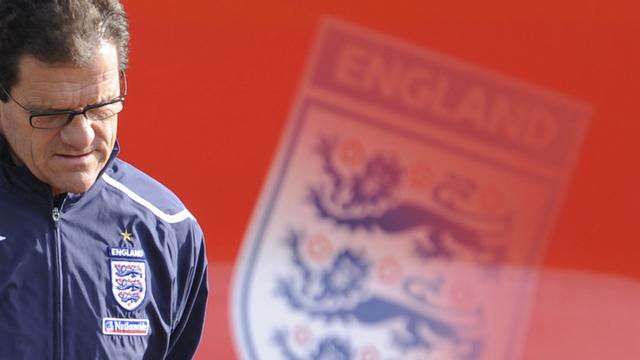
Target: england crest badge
(128, 283)
(406, 211)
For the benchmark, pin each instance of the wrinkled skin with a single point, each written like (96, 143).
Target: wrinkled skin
(69, 159)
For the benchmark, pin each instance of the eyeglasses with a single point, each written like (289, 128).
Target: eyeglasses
(58, 119)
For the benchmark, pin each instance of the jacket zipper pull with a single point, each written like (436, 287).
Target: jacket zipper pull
(55, 214)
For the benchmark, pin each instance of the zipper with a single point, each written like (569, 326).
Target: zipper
(57, 298)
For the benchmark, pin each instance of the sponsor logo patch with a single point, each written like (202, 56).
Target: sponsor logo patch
(128, 282)
(118, 252)
(130, 327)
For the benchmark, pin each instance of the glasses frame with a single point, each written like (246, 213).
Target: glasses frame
(72, 113)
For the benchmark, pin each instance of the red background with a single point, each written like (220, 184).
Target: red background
(212, 83)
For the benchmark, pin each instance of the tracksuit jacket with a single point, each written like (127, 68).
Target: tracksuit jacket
(117, 272)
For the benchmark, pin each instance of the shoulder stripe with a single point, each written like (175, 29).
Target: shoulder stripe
(175, 218)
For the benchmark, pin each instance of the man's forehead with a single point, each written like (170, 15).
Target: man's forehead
(67, 82)
(103, 58)
(35, 73)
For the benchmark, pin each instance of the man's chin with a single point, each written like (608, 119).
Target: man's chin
(73, 186)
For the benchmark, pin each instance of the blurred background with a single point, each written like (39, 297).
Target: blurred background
(212, 84)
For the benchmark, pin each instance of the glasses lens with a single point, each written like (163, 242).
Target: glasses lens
(105, 111)
(49, 121)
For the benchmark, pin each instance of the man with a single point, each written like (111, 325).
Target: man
(97, 260)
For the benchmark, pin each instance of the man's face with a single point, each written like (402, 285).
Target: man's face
(70, 158)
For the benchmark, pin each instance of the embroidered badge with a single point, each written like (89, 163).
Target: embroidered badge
(131, 327)
(128, 283)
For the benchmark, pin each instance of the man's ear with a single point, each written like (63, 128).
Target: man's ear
(3, 109)
(1, 114)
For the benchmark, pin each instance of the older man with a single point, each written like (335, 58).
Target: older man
(97, 260)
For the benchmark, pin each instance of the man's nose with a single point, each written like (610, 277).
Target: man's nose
(78, 133)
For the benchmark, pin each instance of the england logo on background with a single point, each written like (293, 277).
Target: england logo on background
(128, 283)
(400, 203)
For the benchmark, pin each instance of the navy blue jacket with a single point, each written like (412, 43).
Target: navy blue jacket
(117, 272)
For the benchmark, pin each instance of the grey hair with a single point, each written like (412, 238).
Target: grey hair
(58, 31)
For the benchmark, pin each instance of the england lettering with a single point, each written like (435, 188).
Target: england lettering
(116, 252)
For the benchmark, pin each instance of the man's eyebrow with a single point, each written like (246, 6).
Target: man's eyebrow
(42, 109)
(50, 111)
(38, 108)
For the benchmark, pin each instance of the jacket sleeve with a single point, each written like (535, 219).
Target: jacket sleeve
(192, 297)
